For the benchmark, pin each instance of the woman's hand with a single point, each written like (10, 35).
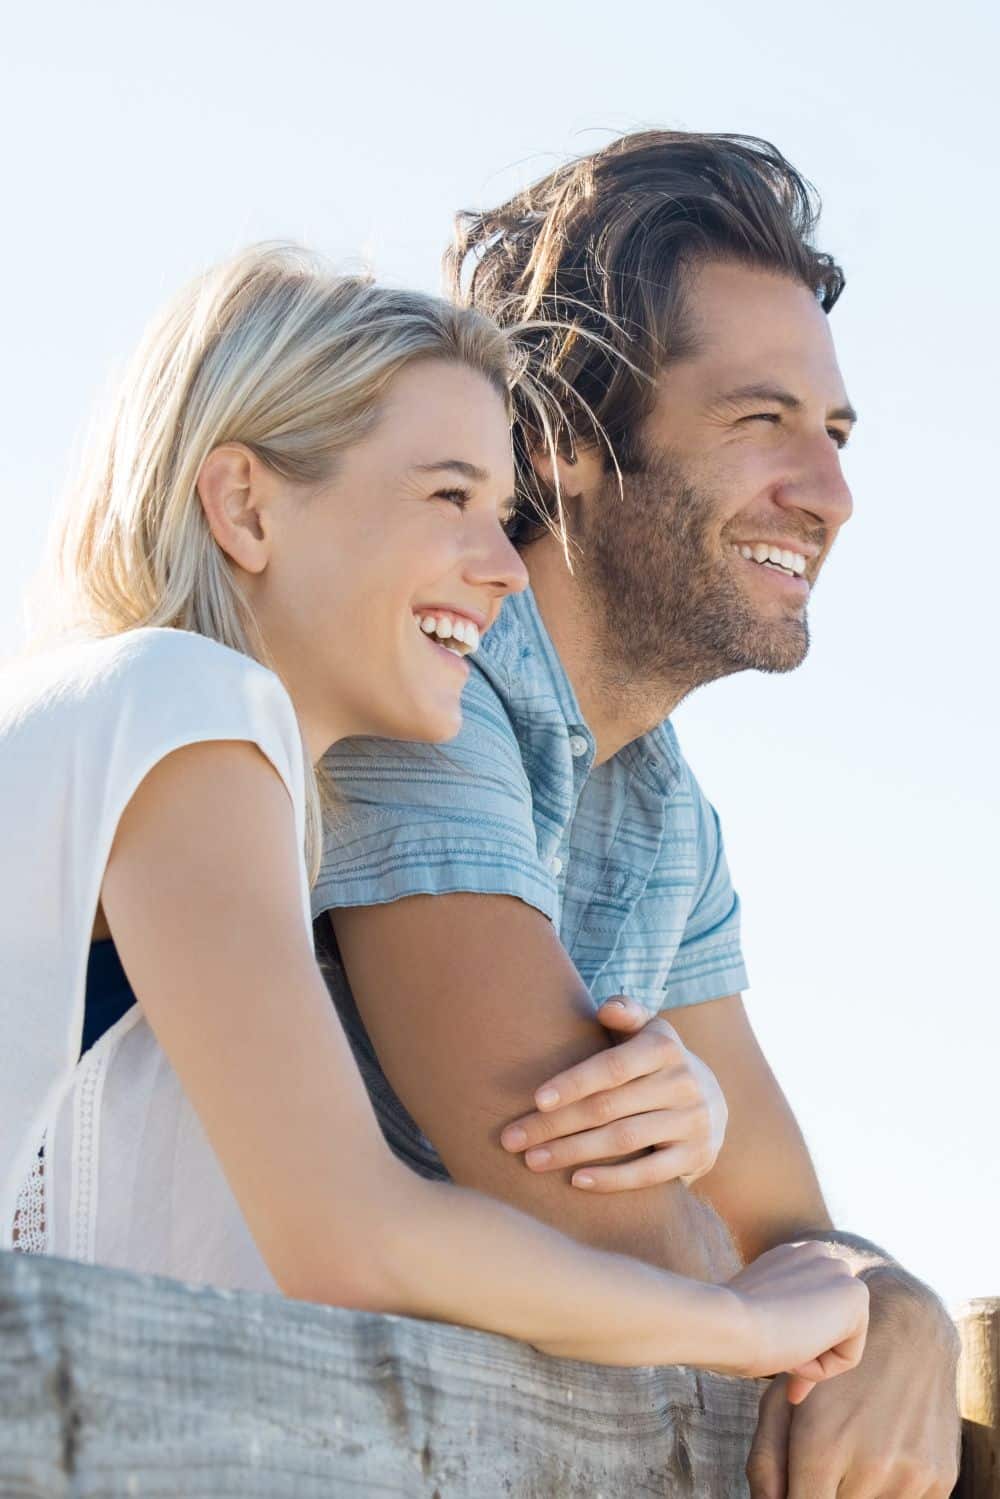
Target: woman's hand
(646, 1094)
(808, 1315)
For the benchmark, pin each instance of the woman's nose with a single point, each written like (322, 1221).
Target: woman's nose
(496, 563)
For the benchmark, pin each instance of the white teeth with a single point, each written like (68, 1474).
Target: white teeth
(445, 628)
(789, 562)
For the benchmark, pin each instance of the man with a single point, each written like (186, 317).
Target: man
(483, 897)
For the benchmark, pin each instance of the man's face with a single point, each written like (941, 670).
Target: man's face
(707, 566)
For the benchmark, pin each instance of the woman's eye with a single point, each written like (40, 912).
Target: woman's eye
(459, 497)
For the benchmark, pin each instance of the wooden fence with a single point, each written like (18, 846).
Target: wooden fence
(117, 1384)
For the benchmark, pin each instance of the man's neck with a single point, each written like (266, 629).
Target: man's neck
(617, 708)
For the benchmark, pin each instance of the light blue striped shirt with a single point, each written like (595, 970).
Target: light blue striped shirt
(626, 858)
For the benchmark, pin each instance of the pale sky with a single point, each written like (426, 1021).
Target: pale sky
(858, 795)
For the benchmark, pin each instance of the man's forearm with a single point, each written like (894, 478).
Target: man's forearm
(696, 1242)
(688, 1237)
(666, 1226)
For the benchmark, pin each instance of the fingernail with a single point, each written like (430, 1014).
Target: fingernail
(546, 1098)
(538, 1157)
(513, 1138)
(619, 1004)
(627, 1007)
(583, 1180)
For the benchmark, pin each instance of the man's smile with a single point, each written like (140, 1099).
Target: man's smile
(784, 562)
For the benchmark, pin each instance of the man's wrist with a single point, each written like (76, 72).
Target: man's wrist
(902, 1304)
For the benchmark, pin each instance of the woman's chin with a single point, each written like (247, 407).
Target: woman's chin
(427, 722)
(438, 728)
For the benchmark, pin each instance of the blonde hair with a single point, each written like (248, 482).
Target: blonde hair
(270, 349)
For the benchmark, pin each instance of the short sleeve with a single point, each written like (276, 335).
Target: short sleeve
(709, 961)
(423, 819)
(166, 689)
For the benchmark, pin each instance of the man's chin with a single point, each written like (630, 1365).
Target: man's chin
(778, 651)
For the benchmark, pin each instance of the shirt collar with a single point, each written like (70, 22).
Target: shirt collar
(522, 646)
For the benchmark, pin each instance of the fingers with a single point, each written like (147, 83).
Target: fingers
(799, 1387)
(622, 1015)
(839, 1360)
(625, 1137)
(767, 1465)
(816, 1463)
(848, 1353)
(645, 1095)
(656, 1046)
(666, 1165)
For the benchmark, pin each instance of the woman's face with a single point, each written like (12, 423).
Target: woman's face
(379, 582)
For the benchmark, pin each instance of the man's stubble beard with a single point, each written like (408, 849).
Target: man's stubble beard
(672, 611)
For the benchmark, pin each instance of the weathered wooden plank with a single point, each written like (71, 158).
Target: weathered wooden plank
(114, 1384)
(979, 1399)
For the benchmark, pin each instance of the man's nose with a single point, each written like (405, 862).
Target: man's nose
(493, 562)
(818, 485)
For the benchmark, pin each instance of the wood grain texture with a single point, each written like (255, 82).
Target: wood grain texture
(116, 1384)
(979, 1399)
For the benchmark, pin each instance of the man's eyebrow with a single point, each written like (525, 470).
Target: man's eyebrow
(457, 466)
(781, 397)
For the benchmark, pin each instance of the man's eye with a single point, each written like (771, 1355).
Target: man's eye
(840, 438)
(763, 416)
(459, 497)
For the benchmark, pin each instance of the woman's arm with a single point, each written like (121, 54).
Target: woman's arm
(202, 897)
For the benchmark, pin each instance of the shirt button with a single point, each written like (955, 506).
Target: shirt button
(577, 746)
(556, 864)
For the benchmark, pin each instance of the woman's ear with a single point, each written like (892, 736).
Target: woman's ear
(234, 501)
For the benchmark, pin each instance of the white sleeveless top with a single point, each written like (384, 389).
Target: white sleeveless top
(129, 1178)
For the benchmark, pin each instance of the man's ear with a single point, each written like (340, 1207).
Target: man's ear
(233, 499)
(579, 474)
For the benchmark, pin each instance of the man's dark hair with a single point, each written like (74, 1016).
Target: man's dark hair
(594, 256)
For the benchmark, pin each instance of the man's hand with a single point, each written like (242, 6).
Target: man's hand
(889, 1429)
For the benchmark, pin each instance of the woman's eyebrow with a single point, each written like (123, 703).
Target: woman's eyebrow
(456, 465)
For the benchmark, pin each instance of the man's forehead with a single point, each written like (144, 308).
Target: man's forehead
(717, 291)
(754, 330)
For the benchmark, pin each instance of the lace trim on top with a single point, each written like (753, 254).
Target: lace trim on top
(29, 1235)
(86, 1134)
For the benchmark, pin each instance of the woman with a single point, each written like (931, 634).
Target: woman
(293, 533)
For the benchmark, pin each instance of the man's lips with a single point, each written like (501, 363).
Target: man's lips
(785, 564)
